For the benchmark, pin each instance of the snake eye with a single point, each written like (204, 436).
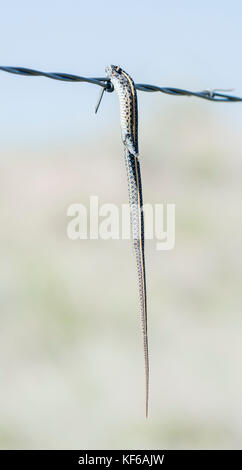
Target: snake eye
(118, 69)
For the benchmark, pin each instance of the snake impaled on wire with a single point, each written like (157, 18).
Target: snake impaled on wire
(125, 89)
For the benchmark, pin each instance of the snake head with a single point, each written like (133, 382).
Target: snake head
(113, 71)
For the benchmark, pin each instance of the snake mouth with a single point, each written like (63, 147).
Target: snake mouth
(109, 70)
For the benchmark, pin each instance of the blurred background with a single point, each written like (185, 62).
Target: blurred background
(71, 359)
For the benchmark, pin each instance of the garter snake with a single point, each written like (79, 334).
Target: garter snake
(125, 89)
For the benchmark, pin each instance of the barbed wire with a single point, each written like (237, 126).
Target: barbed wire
(105, 83)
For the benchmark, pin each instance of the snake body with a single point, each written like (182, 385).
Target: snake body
(125, 89)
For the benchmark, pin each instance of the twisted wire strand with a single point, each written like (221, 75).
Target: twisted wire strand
(105, 83)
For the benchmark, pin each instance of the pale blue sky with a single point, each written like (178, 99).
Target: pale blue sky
(176, 43)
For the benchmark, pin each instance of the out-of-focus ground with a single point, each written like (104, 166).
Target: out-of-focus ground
(71, 360)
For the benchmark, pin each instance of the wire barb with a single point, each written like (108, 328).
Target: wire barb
(99, 100)
(105, 83)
